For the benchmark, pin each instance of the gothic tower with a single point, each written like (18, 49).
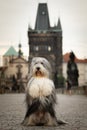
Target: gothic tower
(46, 41)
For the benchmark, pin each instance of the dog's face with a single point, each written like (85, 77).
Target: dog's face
(40, 67)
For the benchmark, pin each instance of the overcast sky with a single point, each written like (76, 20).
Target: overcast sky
(16, 15)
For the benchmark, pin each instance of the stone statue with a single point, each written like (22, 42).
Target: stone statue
(19, 73)
(72, 70)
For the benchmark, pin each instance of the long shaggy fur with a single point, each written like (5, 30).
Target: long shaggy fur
(40, 95)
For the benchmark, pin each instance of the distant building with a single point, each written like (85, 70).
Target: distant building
(13, 60)
(46, 41)
(14, 65)
(15, 69)
(9, 55)
(82, 67)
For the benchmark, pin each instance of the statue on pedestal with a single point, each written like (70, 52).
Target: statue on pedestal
(72, 70)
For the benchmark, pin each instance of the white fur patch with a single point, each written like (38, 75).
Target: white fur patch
(40, 87)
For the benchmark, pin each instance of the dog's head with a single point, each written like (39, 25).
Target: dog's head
(40, 67)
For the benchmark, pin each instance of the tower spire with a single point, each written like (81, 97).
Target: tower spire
(20, 53)
(59, 25)
(42, 19)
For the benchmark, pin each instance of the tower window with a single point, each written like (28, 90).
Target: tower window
(36, 48)
(6, 61)
(43, 12)
(49, 48)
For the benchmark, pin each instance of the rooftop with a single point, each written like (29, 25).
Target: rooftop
(77, 60)
(11, 52)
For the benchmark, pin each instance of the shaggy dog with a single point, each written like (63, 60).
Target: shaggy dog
(40, 95)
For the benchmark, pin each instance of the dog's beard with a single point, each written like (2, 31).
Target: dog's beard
(38, 73)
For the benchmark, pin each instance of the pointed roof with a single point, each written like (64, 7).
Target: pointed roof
(42, 19)
(11, 52)
(59, 27)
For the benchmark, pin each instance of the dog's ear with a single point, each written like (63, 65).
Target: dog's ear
(33, 61)
(30, 69)
(48, 65)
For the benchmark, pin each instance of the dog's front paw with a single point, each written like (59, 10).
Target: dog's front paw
(61, 122)
(28, 122)
(25, 122)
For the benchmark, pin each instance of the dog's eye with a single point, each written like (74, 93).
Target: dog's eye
(42, 63)
(36, 63)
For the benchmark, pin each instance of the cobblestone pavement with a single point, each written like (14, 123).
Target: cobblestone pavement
(72, 109)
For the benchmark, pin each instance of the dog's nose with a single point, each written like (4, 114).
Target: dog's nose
(38, 68)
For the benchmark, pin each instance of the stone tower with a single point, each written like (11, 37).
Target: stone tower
(46, 41)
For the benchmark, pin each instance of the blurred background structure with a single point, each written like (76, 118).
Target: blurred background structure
(46, 41)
